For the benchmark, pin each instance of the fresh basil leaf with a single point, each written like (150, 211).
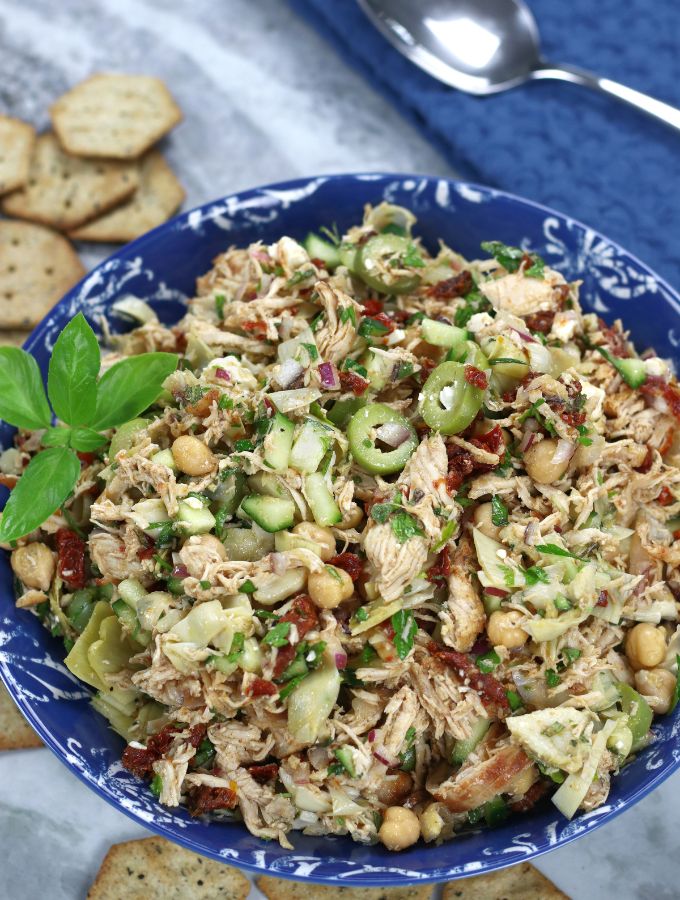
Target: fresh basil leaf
(405, 630)
(130, 386)
(46, 483)
(74, 367)
(86, 439)
(56, 437)
(22, 396)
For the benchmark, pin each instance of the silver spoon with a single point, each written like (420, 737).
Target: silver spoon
(486, 46)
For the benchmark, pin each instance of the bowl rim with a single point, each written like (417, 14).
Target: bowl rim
(207, 211)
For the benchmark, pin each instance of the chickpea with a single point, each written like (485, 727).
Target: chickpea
(657, 686)
(351, 519)
(646, 646)
(503, 629)
(329, 587)
(482, 519)
(319, 535)
(538, 461)
(395, 788)
(400, 828)
(33, 565)
(192, 456)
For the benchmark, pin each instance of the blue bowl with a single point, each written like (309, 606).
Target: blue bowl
(162, 267)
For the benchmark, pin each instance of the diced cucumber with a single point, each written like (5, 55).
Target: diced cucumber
(247, 544)
(278, 442)
(194, 520)
(222, 664)
(251, 658)
(324, 508)
(271, 513)
(463, 748)
(442, 335)
(379, 369)
(268, 484)
(126, 614)
(344, 756)
(229, 493)
(310, 446)
(164, 458)
(132, 592)
(80, 608)
(347, 253)
(125, 436)
(297, 667)
(318, 248)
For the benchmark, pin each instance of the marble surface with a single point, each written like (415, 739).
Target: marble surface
(264, 99)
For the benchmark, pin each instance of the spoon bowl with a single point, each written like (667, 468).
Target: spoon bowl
(486, 46)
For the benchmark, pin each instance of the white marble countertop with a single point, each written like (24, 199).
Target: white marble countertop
(264, 99)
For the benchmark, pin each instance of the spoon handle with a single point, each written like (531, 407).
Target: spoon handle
(657, 109)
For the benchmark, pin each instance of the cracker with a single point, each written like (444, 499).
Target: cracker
(520, 882)
(155, 869)
(37, 267)
(158, 196)
(16, 148)
(279, 889)
(64, 191)
(114, 116)
(15, 732)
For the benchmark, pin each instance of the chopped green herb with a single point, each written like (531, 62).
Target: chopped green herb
(278, 635)
(243, 445)
(156, 785)
(416, 317)
(554, 550)
(220, 300)
(264, 613)
(248, 588)
(562, 603)
(499, 512)
(204, 585)
(553, 729)
(300, 276)
(534, 574)
(225, 402)
(511, 258)
(405, 527)
(312, 351)
(508, 575)
(356, 367)
(514, 700)
(412, 258)
(347, 314)
(552, 679)
(571, 654)
(487, 662)
(372, 328)
(361, 615)
(290, 686)
(236, 648)
(405, 630)
(205, 754)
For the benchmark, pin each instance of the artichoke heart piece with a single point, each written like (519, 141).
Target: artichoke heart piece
(77, 661)
(557, 737)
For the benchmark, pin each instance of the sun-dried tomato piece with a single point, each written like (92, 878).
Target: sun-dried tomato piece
(665, 497)
(372, 306)
(138, 760)
(540, 321)
(490, 688)
(350, 381)
(261, 688)
(202, 407)
(203, 799)
(197, 734)
(263, 773)
(145, 552)
(461, 464)
(87, 458)
(71, 558)
(441, 569)
(492, 441)
(349, 562)
(602, 598)
(458, 286)
(476, 377)
(303, 615)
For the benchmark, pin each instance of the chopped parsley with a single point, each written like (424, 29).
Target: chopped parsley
(405, 630)
(554, 550)
(511, 258)
(300, 276)
(278, 635)
(243, 445)
(248, 588)
(348, 314)
(405, 527)
(514, 700)
(412, 258)
(236, 648)
(373, 328)
(225, 402)
(361, 615)
(474, 303)
(311, 350)
(552, 679)
(534, 574)
(220, 300)
(499, 512)
(487, 662)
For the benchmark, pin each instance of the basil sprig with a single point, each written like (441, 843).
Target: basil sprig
(85, 403)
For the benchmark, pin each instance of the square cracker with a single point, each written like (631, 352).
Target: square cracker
(155, 869)
(17, 140)
(65, 191)
(37, 267)
(114, 116)
(520, 882)
(279, 889)
(158, 196)
(15, 732)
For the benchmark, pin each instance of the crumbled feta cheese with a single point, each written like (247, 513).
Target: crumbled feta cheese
(395, 337)
(501, 553)
(479, 322)
(595, 400)
(564, 325)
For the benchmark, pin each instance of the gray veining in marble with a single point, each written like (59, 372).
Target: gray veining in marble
(264, 99)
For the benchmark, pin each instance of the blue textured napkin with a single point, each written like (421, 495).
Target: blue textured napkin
(556, 143)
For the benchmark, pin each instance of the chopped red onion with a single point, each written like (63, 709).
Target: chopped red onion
(382, 756)
(531, 532)
(261, 256)
(329, 376)
(563, 452)
(527, 438)
(180, 572)
(223, 374)
(525, 337)
(340, 660)
(496, 592)
(289, 371)
(393, 434)
(371, 735)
